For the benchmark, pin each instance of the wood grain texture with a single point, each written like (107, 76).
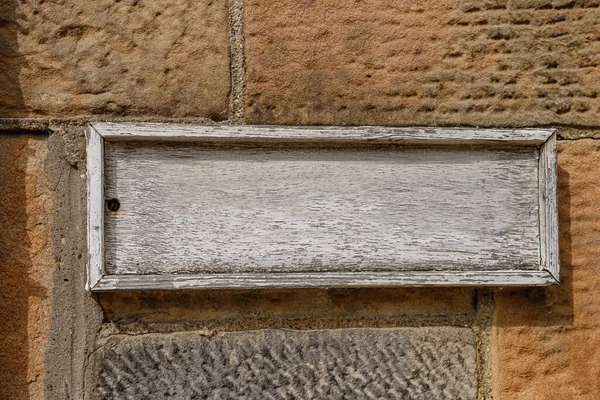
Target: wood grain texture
(548, 178)
(190, 209)
(326, 279)
(95, 205)
(372, 134)
(236, 206)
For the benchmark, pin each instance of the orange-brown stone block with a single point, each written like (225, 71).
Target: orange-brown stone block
(372, 304)
(26, 265)
(386, 62)
(150, 58)
(546, 341)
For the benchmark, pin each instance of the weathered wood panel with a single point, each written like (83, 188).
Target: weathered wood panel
(190, 209)
(249, 206)
(95, 205)
(371, 134)
(548, 178)
(326, 279)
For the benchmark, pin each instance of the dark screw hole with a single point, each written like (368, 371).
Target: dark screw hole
(113, 204)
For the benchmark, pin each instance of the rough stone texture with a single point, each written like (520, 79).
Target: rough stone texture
(572, 133)
(26, 264)
(67, 58)
(237, 63)
(415, 363)
(76, 315)
(302, 306)
(546, 342)
(493, 62)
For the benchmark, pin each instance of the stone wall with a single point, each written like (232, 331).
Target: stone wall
(452, 62)
(26, 262)
(374, 62)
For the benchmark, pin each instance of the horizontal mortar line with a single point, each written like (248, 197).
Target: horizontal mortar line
(21, 124)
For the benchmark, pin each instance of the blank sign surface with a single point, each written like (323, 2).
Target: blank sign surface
(174, 206)
(186, 208)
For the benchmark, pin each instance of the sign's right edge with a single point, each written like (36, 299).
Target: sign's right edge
(548, 185)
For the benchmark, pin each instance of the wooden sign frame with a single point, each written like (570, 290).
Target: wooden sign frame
(544, 140)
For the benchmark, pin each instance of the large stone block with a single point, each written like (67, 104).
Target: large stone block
(292, 307)
(389, 62)
(415, 363)
(26, 264)
(70, 58)
(546, 341)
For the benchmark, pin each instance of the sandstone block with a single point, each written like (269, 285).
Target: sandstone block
(72, 58)
(545, 341)
(302, 307)
(415, 363)
(404, 63)
(26, 264)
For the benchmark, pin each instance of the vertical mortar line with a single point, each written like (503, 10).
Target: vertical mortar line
(76, 316)
(237, 62)
(483, 333)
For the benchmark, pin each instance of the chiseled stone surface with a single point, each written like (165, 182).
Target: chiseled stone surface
(415, 363)
(130, 57)
(26, 264)
(387, 62)
(546, 341)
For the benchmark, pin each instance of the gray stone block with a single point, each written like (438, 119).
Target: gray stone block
(395, 363)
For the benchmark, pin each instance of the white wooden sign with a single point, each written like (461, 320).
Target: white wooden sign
(200, 206)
